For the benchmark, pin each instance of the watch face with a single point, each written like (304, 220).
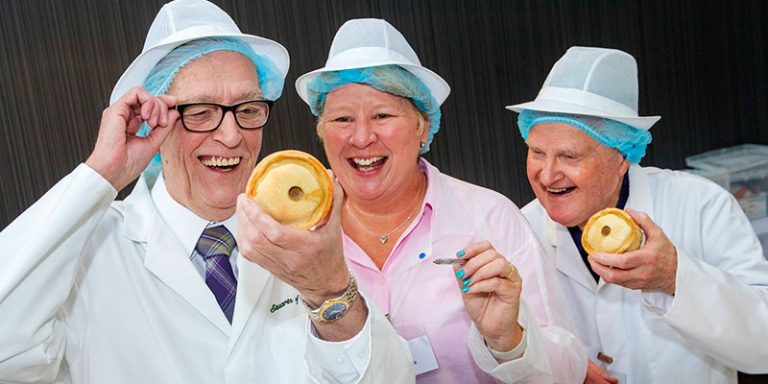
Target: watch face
(334, 310)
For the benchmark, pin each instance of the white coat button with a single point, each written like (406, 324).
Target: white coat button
(339, 360)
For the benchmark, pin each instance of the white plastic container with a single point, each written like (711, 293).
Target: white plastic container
(746, 167)
(756, 206)
(718, 176)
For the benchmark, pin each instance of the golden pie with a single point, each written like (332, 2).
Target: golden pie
(611, 231)
(293, 187)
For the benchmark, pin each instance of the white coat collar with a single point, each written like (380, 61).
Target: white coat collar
(187, 226)
(565, 250)
(167, 259)
(639, 191)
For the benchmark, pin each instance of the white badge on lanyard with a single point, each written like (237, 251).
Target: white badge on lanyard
(423, 357)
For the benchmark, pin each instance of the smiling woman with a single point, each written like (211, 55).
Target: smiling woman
(378, 110)
(369, 136)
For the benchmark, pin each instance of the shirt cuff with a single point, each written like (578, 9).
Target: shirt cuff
(343, 361)
(487, 361)
(660, 303)
(513, 354)
(101, 183)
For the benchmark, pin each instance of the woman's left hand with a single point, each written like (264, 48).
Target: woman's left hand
(490, 287)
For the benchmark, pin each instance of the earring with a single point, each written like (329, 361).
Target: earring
(422, 144)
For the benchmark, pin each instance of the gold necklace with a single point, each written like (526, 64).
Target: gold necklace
(385, 236)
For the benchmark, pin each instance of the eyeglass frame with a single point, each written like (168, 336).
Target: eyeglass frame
(225, 108)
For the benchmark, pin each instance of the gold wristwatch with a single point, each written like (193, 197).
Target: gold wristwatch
(336, 308)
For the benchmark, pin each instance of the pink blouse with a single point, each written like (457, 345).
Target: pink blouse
(422, 298)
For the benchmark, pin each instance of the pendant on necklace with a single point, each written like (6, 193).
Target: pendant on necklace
(383, 238)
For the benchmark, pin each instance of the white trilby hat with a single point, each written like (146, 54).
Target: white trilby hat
(363, 43)
(592, 81)
(182, 21)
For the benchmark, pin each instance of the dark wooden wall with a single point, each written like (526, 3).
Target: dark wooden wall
(703, 67)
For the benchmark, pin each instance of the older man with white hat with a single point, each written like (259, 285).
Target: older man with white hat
(691, 305)
(158, 288)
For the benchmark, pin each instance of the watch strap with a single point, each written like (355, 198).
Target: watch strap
(335, 308)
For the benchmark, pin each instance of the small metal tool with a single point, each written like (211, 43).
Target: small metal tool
(449, 261)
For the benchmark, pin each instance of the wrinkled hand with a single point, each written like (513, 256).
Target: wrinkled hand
(491, 289)
(650, 268)
(119, 155)
(310, 261)
(597, 375)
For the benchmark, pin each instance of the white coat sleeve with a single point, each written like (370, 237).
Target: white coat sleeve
(41, 252)
(534, 365)
(721, 296)
(553, 354)
(377, 354)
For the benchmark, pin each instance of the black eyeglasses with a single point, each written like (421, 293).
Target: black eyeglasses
(206, 117)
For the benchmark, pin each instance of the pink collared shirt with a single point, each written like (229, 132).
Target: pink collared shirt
(422, 298)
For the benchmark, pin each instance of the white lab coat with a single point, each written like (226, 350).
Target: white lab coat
(96, 291)
(716, 323)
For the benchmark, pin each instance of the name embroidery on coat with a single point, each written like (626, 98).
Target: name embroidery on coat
(290, 300)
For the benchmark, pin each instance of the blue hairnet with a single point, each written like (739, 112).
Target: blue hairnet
(386, 78)
(160, 78)
(629, 141)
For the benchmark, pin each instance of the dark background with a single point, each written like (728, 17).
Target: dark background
(702, 67)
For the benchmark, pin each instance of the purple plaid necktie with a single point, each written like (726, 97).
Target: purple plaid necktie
(215, 245)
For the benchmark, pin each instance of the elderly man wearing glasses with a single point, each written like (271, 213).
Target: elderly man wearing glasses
(156, 288)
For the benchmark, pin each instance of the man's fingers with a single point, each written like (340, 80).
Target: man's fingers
(246, 235)
(627, 260)
(274, 232)
(157, 107)
(334, 216)
(644, 221)
(157, 136)
(139, 95)
(608, 260)
(597, 375)
(163, 120)
(170, 114)
(637, 215)
(146, 107)
(610, 275)
(169, 100)
(634, 278)
(132, 125)
(252, 210)
(146, 112)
